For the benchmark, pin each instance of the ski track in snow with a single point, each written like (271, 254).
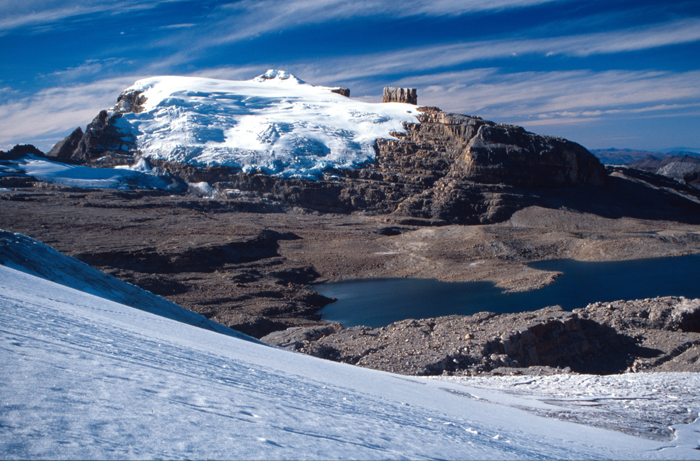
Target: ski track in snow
(85, 377)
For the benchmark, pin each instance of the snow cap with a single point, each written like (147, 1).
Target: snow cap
(278, 75)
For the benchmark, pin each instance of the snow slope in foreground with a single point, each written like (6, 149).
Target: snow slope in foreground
(28, 255)
(275, 123)
(85, 377)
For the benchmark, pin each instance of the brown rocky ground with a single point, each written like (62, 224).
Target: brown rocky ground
(245, 261)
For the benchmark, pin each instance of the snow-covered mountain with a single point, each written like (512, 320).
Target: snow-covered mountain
(274, 123)
(83, 376)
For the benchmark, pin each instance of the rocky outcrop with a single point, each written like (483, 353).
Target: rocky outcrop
(19, 151)
(65, 149)
(473, 149)
(454, 344)
(341, 91)
(473, 171)
(104, 140)
(688, 172)
(664, 332)
(661, 334)
(403, 95)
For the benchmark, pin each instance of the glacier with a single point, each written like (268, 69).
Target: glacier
(85, 375)
(137, 176)
(274, 123)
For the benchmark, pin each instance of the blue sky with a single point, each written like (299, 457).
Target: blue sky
(609, 73)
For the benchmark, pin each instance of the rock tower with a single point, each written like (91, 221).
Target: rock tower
(405, 95)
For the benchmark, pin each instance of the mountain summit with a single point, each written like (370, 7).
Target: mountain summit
(274, 123)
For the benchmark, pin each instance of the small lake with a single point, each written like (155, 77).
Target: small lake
(379, 302)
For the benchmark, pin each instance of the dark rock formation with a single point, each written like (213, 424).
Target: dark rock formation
(486, 152)
(19, 151)
(661, 334)
(341, 91)
(104, 139)
(65, 149)
(404, 95)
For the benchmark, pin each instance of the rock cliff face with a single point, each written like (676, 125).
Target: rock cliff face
(473, 149)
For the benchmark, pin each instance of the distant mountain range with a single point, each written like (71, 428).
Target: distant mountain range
(627, 156)
(681, 163)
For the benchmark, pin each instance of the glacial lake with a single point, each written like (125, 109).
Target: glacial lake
(379, 302)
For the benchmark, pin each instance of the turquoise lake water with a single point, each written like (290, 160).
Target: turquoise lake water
(379, 302)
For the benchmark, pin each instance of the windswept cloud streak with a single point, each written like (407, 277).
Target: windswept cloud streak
(45, 14)
(48, 114)
(427, 58)
(558, 95)
(252, 18)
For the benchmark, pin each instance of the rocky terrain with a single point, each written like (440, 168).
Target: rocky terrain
(684, 167)
(453, 197)
(660, 334)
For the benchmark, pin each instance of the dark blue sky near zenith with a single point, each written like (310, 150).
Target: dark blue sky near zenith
(608, 73)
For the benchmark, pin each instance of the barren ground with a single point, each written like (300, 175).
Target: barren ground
(249, 269)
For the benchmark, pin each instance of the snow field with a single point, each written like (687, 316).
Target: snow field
(274, 123)
(137, 177)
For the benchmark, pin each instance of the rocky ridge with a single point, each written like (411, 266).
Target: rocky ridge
(660, 334)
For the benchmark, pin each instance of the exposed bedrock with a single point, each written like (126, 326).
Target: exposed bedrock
(404, 95)
(660, 334)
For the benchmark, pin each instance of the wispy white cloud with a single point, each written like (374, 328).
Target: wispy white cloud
(51, 113)
(540, 98)
(421, 59)
(178, 26)
(251, 18)
(88, 70)
(45, 14)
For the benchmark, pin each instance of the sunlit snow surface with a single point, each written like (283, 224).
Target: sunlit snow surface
(139, 176)
(83, 377)
(274, 123)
